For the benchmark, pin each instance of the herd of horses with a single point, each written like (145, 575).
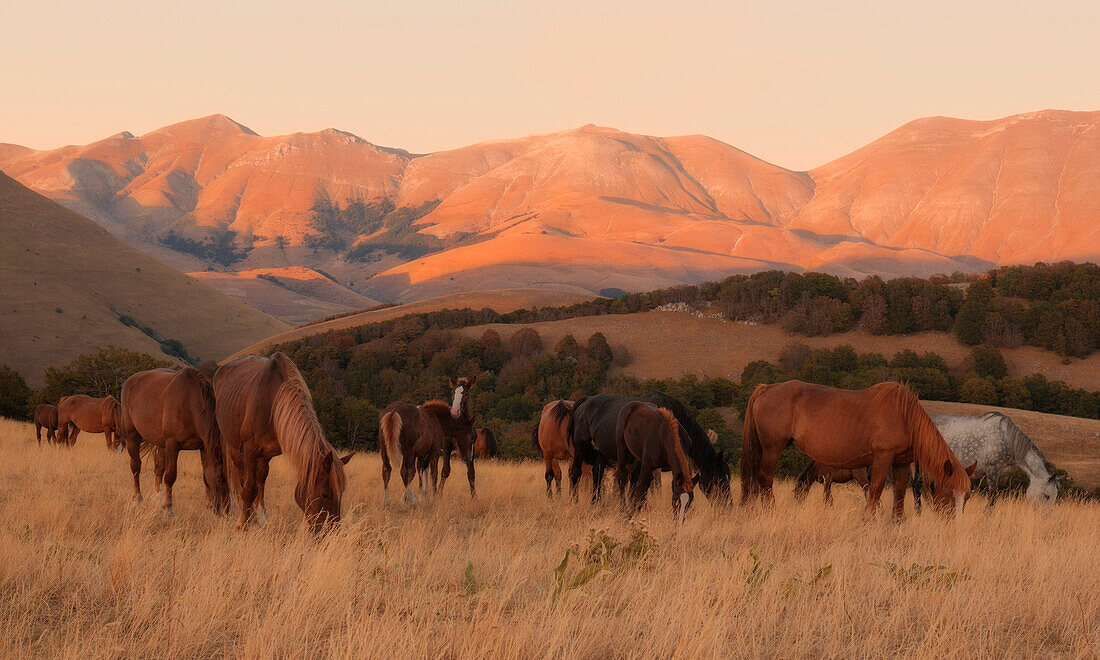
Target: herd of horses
(256, 408)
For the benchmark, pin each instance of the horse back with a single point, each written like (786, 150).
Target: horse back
(162, 404)
(244, 390)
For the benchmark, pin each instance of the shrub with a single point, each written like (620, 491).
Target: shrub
(97, 374)
(988, 362)
(978, 390)
(15, 396)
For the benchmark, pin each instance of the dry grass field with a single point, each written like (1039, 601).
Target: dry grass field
(85, 575)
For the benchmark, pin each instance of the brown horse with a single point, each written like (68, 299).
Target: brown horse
(45, 417)
(264, 409)
(167, 411)
(828, 476)
(415, 436)
(648, 440)
(882, 427)
(551, 437)
(458, 428)
(485, 443)
(83, 413)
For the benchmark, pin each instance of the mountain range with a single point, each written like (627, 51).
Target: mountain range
(589, 209)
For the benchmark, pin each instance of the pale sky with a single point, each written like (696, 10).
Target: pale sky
(797, 83)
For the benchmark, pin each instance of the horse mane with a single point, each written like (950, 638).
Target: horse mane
(1018, 441)
(674, 431)
(560, 411)
(702, 453)
(929, 448)
(296, 427)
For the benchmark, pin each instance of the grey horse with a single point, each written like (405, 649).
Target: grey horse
(998, 446)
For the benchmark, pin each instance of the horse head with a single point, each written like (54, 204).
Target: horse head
(683, 494)
(318, 494)
(953, 490)
(1044, 491)
(460, 396)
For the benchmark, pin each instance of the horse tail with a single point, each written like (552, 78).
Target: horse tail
(491, 444)
(805, 480)
(677, 447)
(535, 435)
(751, 449)
(390, 430)
(570, 428)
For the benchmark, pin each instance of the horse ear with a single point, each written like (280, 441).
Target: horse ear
(1057, 477)
(473, 379)
(347, 458)
(970, 469)
(451, 382)
(712, 436)
(948, 469)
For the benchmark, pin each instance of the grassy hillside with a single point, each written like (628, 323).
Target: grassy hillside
(670, 344)
(67, 283)
(85, 575)
(502, 300)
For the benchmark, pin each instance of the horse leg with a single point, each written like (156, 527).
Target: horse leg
(38, 433)
(901, 474)
(550, 464)
(133, 446)
(623, 470)
(597, 480)
(408, 466)
(248, 488)
(575, 469)
(640, 487)
(557, 476)
(993, 484)
(470, 473)
(263, 463)
(765, 476)
(880, 466)
(827, 483)
(74, 434)
(169, 457)
(158, 472)
(446, 468)
(915, 484)
(386, 470)
(433, 464)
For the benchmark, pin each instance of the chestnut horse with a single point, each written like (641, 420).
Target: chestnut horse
(84, 413)
(415, 436)
(167, 411)
(485, 443)
(828, 476)
(551, 437)
(45, 417)
(264, 409)
(648, 440)
(882, 427)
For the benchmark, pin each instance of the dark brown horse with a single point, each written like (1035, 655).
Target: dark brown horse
(551, 437)
(415, 436)
(167, 411)
(264, 409)
(882, 428)
(458, 428)
(828, 476)
(485, 443)
(45, 417)
(84, 413)
(649, 440)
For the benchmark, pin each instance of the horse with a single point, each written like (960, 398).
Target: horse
(167, 411)
(84, 413)
(45, 417)
(828, 476)
(648, 439)
(882, 427)
(264, 409)
(485, 443)
(457, 423)
(408, 432)
(592, 428)
(551, 438)
(998, 446)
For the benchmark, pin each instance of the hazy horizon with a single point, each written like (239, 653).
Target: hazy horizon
(796, 85)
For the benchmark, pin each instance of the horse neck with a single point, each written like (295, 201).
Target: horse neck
(1026, 455)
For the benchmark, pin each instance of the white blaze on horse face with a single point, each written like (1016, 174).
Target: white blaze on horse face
(683, 506)
(960, 501)
(456, 403)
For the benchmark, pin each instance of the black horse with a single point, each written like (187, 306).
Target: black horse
(592, 430)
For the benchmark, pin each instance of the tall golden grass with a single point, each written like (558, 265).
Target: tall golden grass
(83, 574)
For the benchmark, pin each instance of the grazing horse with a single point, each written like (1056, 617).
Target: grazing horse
(83, 413)
(264, 409)
(415, 436)
(592, 432)
(997, 445)
(485, 443)
(167, 411)
(45, 417)
(648, 439)
(882, 427)
(458, 428)
(828, 476)
(551, 437)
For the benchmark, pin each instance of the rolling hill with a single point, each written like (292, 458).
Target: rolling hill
(588, 208)
(68, 285)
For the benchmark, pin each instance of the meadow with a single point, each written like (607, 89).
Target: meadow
(85, 574)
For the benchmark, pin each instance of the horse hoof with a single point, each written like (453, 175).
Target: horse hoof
(168, 513)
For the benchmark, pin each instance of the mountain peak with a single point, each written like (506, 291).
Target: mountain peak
(211, 125)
